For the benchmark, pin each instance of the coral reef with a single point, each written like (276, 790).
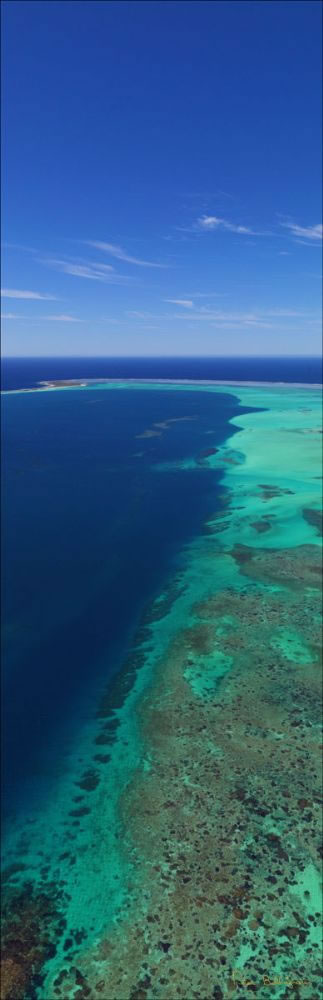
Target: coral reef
(224, 826)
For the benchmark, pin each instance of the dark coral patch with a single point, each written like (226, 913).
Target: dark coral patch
(82, 811)
(103, 739)
(314, 517)
(31, 928)
(199, 638)
(242, 553)
(261, 526)
(89, 781)
(11, 872)
(105, 709)
(206, 453)
(269, 492)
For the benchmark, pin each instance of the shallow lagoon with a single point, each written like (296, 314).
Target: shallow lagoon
(163, 860)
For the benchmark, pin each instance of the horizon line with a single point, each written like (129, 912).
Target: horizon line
(155, 357)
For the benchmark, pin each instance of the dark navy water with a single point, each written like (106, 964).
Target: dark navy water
(23, 372)
(91, 531)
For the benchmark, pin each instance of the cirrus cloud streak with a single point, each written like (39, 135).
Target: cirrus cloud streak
(17, 293)
(120, 254)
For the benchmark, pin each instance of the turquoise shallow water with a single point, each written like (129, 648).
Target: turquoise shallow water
(102, 845)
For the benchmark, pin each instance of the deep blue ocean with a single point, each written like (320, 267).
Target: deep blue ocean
(18, 373)
(92, 531)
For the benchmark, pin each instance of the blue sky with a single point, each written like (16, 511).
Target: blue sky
(161, 177)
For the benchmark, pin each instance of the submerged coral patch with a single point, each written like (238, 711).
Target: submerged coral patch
(32, 924)
(314, 517)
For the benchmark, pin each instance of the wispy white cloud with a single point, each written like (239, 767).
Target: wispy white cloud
(141, 314)
(59, 318)
(120, 254)
(227, 319)
(289, 313)
(63, 319)
(111, 248)
(90, 270)
(205, 295)
(15, 293)
(12, 316)
(241, 324)
(18, 246)
(108, 319)
(255, 318)
(210, 222)
(186, 303)
(312, 233)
